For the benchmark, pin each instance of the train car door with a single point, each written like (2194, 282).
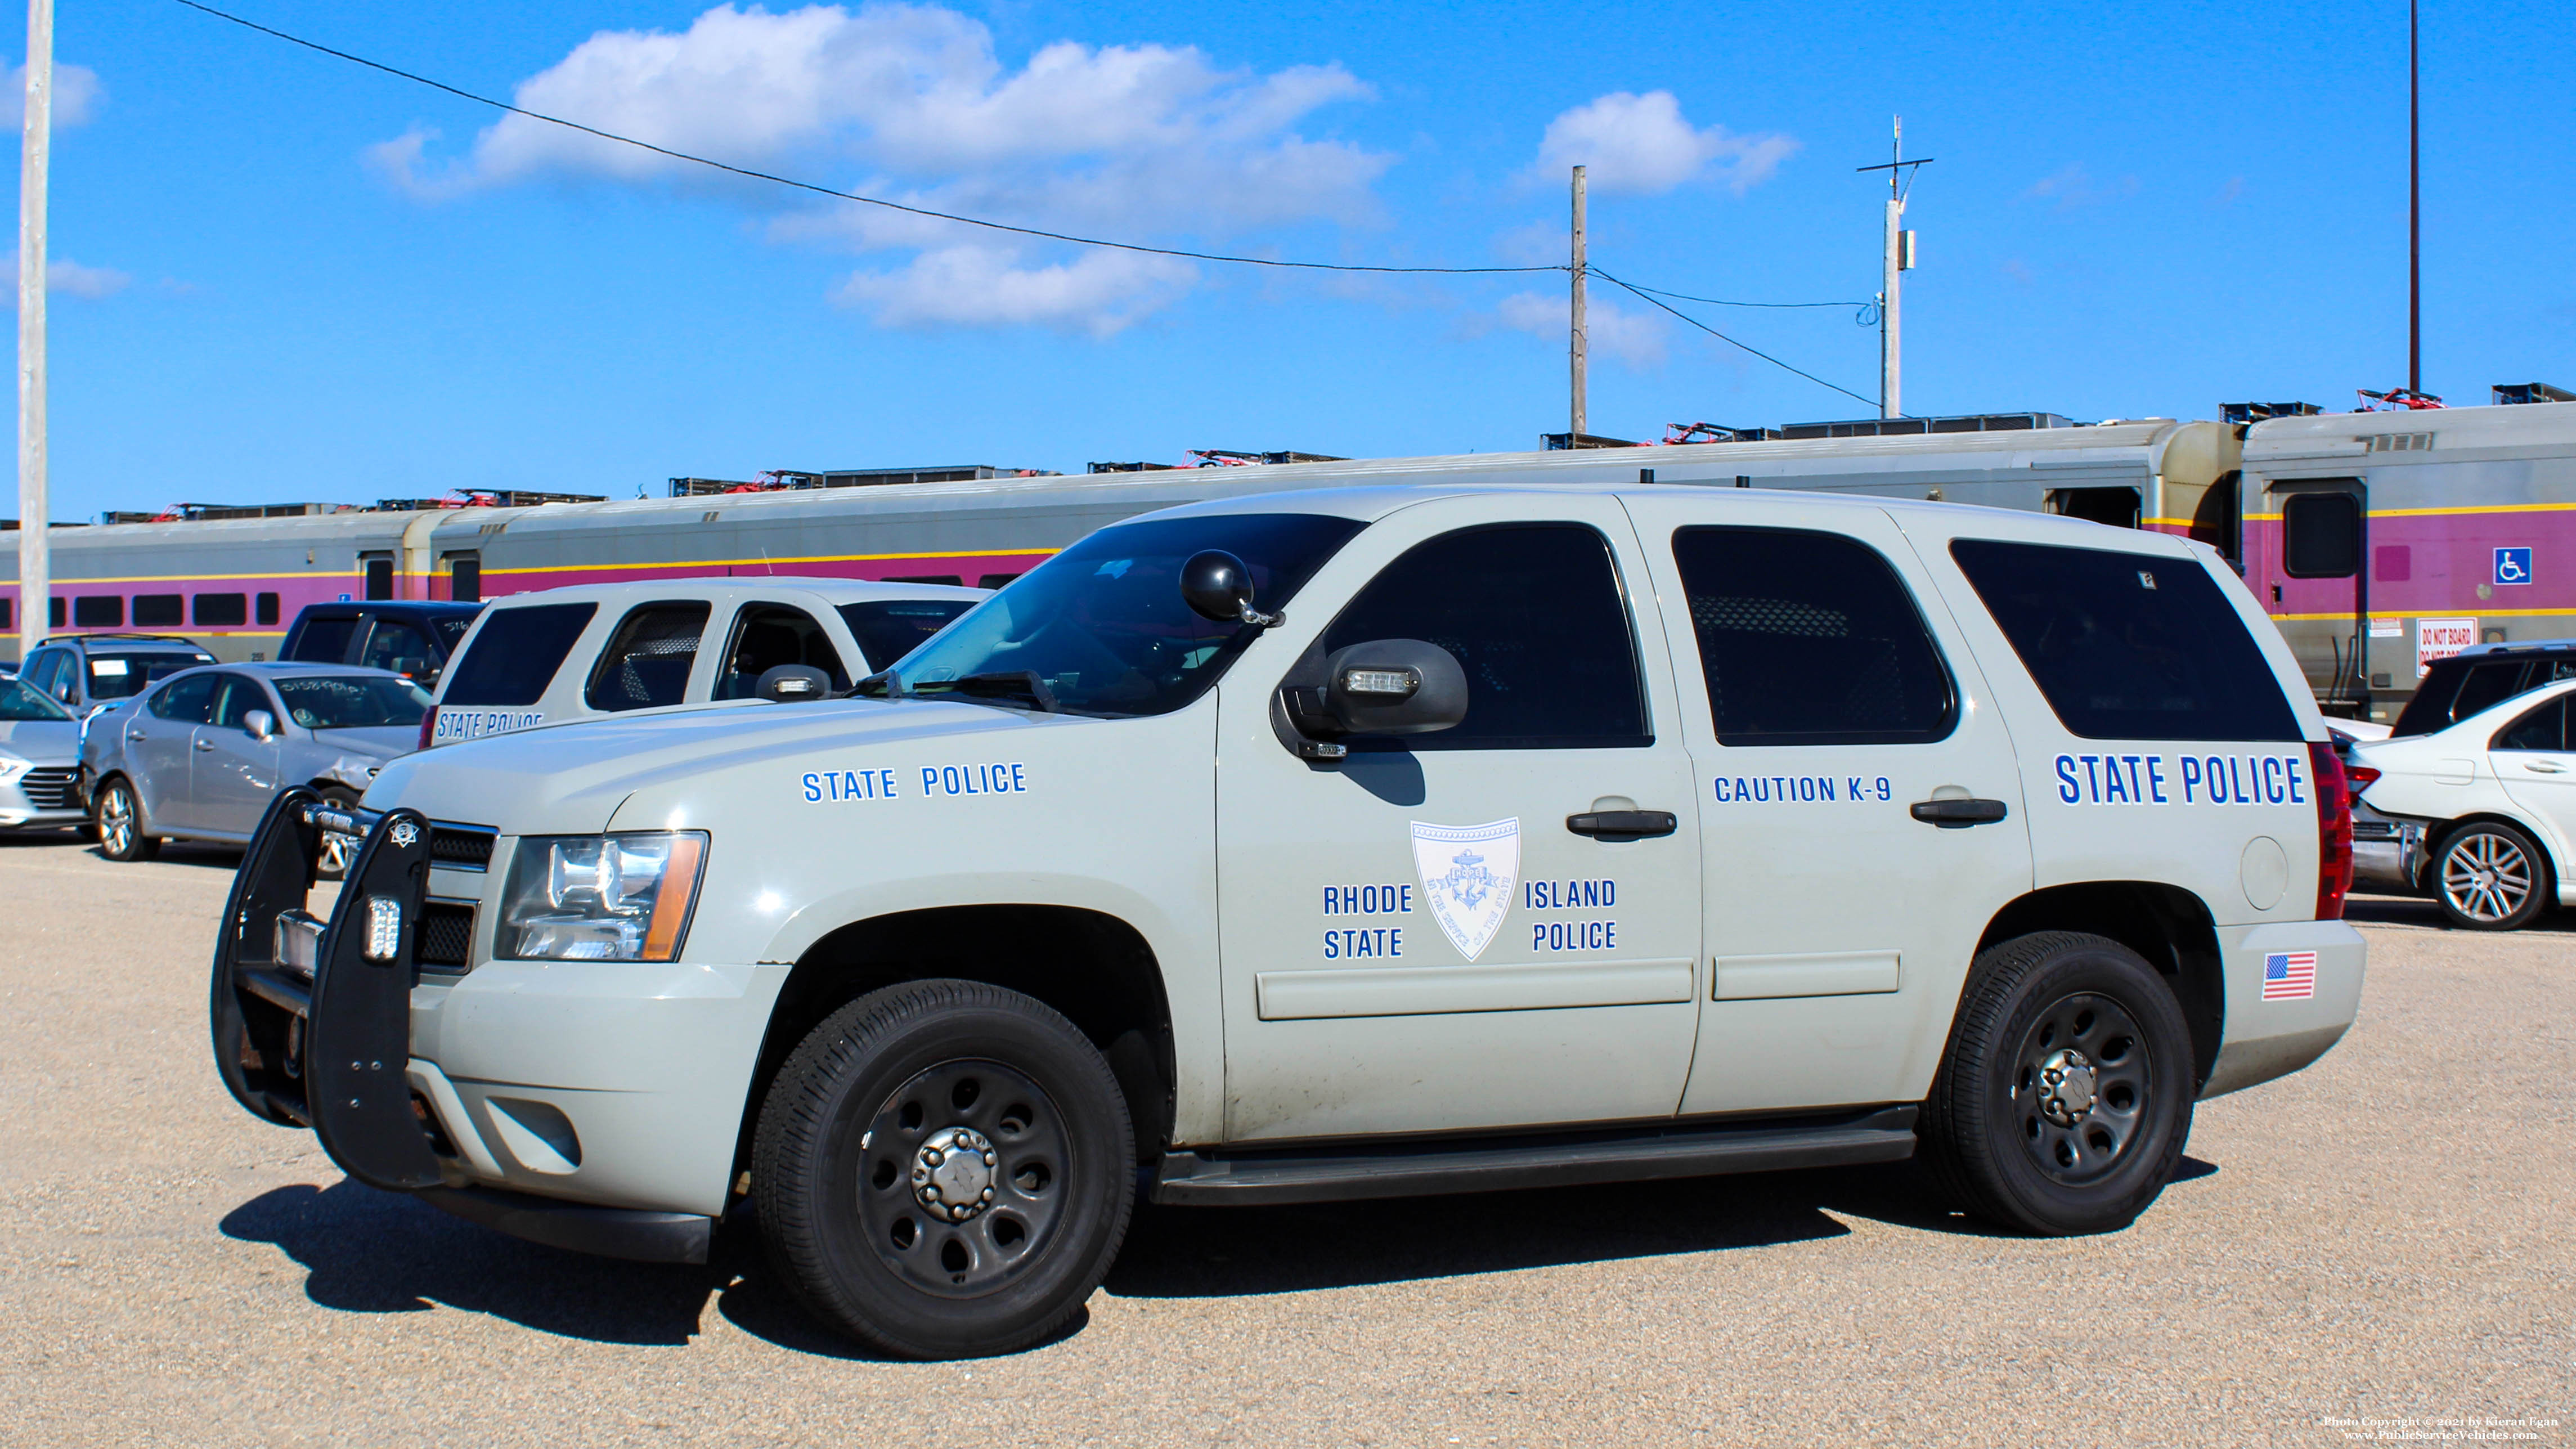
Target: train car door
(2318, 579)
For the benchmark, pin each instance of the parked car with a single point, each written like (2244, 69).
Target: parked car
(200, 756)
(411, 637)
(2480, 678)
(39, 759)
(2386, 854)
(2495, 797)
(84, 671)
(600, 649)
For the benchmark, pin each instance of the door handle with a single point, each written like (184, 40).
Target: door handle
(136, 735)
(1623, 824)
(1958, 814)
(2544, 767)
(205, 744)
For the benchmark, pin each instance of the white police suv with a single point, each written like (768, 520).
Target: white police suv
(1350, 844)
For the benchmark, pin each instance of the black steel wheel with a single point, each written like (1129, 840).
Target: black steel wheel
(2490, 876)
(120, 823)
(944, 1169)
(2065, 1098)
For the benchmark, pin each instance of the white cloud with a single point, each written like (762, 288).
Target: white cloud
(1099, 292)
(1133, 141)
(69, 278)
(1635, 143)
(2073, 186)
(1635, 339)
(77, 95)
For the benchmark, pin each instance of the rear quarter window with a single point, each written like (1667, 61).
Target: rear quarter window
(516, 655)
(2128, 646)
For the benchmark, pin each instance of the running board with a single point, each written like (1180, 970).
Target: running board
(1423, 1168)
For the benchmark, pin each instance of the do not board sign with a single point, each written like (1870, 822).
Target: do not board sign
(2440, 639)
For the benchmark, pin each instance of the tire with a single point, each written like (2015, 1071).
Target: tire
(338, 852)
(2059, 1161)
(120, 823)
(864, 1235)
(2490, 876)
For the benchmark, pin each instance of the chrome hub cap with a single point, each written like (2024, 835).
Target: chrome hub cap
(116, 820)
(2065, 1087)
(952, 1173)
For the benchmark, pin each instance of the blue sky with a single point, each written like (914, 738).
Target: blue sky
(294, 279)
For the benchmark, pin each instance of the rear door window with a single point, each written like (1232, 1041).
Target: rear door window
(1810, 639)
(2484, 687)
(324, 639)
(2544, 728)
(648, 660)
(517, 653)
(889, 629)
(2128, 646)
(768, 635)
(398, 647)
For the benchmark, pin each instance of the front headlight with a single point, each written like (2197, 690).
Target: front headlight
(601, 897)
(10, 770)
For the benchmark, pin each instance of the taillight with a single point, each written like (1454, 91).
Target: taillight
(2334, 830)
(428, 722)
(2362, 778)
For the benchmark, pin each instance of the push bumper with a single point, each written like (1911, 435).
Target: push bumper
(312, 1026)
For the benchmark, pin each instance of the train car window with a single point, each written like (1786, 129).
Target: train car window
(8, 615)
(190, 701)
(465, 580)
(2321, 535)
(54, 611)
(159, 611)
(1810, 639)
(647, 662)
(222, 610)
(892, 628)
(515, 656)
(268, 608)
(322, 639)
(768, 635)
(2117, 507)
(397, 647)
(995, 581)
(380, 579)
(1535, 614)
(2544, 728)
(99, 611)
(2128, 646)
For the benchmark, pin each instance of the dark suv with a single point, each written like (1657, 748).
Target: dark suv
(409, 637)
(2478, 678)
(83, 671)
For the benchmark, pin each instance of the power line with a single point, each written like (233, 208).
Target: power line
(790, 181)
(1642, 295)
(1721, 302)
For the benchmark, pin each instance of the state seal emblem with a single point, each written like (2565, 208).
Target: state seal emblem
(1468, 875)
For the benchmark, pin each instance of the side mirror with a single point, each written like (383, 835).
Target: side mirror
(1383, 687)
(261, 724)
(1217, 586)
(793, 683)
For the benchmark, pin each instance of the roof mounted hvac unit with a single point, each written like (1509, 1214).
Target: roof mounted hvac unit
(1906, 427)
(2255, 412)
(2510, 394)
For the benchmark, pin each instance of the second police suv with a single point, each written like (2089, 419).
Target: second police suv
(1351, 844)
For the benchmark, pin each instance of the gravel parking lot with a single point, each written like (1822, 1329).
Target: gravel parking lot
(2382, 1238)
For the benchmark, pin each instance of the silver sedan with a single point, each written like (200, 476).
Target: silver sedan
(39, 760)
(201, 754)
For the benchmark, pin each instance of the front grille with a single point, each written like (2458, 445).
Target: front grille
(50, 788)
(445, 941)
(461, 847)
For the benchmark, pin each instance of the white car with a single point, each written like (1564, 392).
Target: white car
(1371, 842)
(2495, 795)
(561, 655)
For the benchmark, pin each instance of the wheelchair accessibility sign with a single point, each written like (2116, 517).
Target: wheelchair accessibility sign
(2513, 566)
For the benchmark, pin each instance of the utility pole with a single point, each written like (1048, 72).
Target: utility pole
(1577, 379)
(1899, 257)
(35, 560)
(2414, 216)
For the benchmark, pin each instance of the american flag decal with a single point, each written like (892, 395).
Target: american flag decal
(2290, 976)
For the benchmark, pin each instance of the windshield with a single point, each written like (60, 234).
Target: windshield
(1102, 625)
(339, 702)
(20, 700)
(118, 676)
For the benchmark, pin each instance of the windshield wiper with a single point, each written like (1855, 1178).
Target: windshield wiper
(1022, 684)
